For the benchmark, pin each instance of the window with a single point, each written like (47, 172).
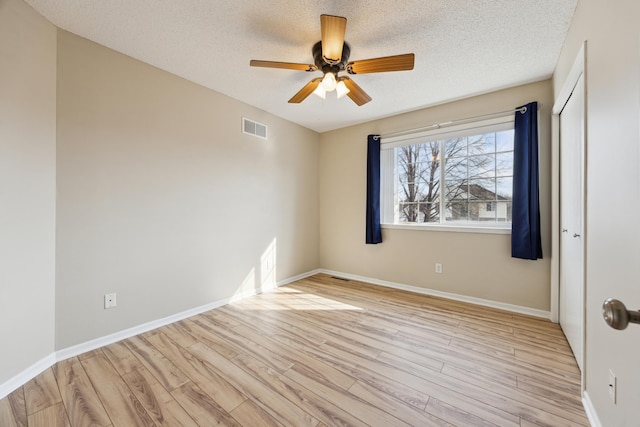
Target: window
(458, 176)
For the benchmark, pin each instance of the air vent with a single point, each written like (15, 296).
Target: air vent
(254, 128)
(340, 278)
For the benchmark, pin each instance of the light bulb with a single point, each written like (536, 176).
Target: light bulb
(329, 82)
(341, 89)
(320, 91)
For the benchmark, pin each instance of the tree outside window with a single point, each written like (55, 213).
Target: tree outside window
(476, 171)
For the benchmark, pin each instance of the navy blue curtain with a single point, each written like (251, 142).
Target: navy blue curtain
(525, 227)
(374, 233)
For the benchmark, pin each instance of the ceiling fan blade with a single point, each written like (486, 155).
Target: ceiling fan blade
(285, 65)
(380, 65)
(305, 91)
(356, 93)
(332, 28)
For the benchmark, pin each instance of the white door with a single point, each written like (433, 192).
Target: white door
(571, 304)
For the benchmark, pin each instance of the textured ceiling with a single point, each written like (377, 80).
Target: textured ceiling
(462, 47)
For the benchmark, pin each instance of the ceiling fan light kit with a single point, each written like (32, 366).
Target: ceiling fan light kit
(341, 89)
(331, 56)
(328, 84)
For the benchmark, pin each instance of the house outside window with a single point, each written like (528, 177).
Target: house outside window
(462, 176)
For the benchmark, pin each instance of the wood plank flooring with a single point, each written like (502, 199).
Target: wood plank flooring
(318, 352)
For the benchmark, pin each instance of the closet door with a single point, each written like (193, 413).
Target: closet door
(571, 304)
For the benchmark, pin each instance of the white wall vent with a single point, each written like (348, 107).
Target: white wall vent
(254, 128)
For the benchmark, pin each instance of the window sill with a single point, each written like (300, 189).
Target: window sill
(493, 229)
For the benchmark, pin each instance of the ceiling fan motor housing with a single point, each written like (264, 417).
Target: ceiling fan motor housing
(326, 66)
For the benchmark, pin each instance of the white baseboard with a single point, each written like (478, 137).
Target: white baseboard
(456, 297)
(592, 415)
(48, 361)
(149, 326)
(299, 277)
(136, 330)
(27, 375)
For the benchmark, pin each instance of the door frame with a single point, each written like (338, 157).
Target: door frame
(578, 69)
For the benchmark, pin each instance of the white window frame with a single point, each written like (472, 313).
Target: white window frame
(388, 193)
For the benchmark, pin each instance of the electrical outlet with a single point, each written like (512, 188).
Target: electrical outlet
(109, 300)
(438, 268)
(613, 386)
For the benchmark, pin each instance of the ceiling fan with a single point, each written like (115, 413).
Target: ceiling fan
(331, 56)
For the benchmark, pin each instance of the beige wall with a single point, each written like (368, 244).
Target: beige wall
(475, 265)
(162, 199)
(27, 187)
(613, 195)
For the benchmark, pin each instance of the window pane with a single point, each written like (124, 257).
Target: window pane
(430, 212)
(457, 211)
(480, 144)
(504, 140)
(430, 192)
(504, 164)
(431, 151)
(457, 190)
(504, 187)
(483, 166)
(482, 211)
(455, 147)
(456, 169)
(402, 178)
(427, 172)
(457, 201)
(418, 182)
(500, 211)
(503, 211)
(482, 189)
(408, 211)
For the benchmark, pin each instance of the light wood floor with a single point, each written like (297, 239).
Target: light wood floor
(318, 352)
